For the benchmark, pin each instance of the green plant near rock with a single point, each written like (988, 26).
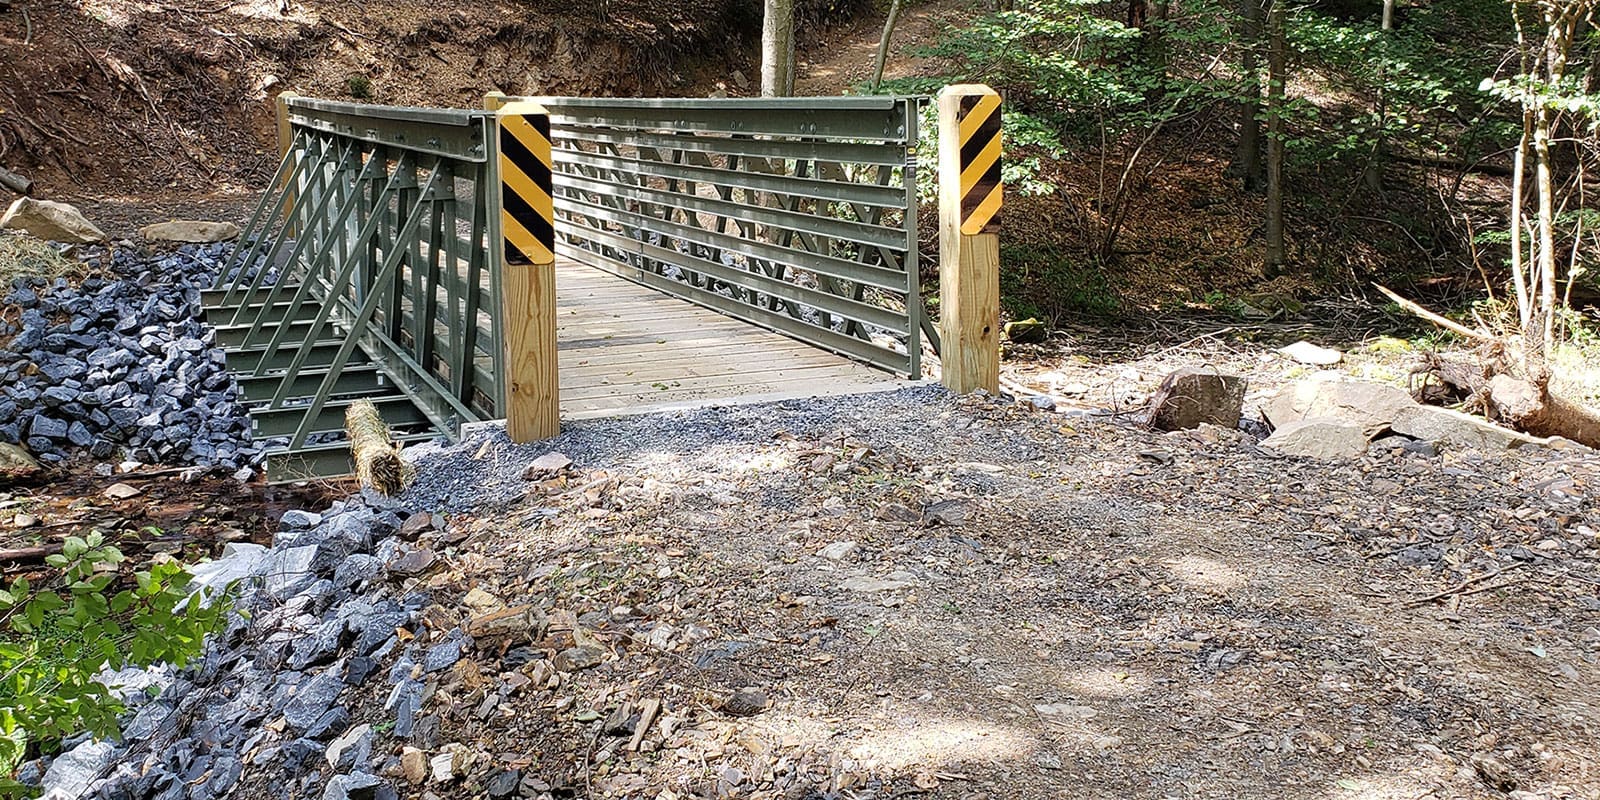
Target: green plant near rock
(359, 87)
(58, 634)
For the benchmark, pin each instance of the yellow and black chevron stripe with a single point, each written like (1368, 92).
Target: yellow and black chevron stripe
(981, 190)
(527, 211)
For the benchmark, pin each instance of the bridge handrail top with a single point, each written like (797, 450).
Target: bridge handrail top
(880, 102)
(433, 116)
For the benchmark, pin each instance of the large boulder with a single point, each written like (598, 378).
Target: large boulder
(56, 222)
(1192, 397)
(188, 230)
(16, 464)
(1457, 430)
(1372, 406)
(1325, 438)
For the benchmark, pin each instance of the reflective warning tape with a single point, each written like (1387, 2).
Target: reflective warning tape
(527, 214)
(981, 190)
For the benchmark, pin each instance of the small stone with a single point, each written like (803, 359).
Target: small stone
(299, 520)
(337, 747)
(122, 491)
(512, 626)
(577, 658)
(503, 783)
(442, 656)
(417, 524)
(838, 551)
(412, 563)
(1307, 353)
(355, 786)
(746, 702)
(481, 601)
(312, 699)
(950, 513)
(545, 466)
(443, 766)
(413, 765)
(897, 512)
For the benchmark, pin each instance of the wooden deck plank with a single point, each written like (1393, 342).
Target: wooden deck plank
(627, 348)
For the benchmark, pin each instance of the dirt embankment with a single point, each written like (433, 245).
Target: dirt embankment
(107, 97)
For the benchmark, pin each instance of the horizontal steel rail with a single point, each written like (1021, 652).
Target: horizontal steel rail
(796, 214)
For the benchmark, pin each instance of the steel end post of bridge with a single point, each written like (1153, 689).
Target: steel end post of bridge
(970, 193)
(522, 243)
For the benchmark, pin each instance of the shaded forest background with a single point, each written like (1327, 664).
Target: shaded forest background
(1127, 137)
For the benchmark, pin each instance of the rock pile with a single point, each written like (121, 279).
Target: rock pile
(268, 706)
(122, 361)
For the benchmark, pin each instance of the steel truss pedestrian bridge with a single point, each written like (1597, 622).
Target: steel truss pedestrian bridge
(547, 258)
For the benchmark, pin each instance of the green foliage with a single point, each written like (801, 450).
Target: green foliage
(359, 87)
(58, 635)
(1048, 284)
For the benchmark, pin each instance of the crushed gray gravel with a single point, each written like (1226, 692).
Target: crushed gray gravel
(485, 469)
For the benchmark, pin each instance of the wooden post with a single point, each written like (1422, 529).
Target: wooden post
(285, 144)
(526, 215)
(969, 242)
(494, 101)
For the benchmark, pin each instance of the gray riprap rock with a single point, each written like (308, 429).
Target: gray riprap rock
(1191, 397)
(1457, 430)
(300, 520)
(239, 560)
(70, 775)
(288, 570)
(356, 568)
(443, 655)
(1371, 406)
(312, 699)
(355, 786)
(193, 231)
(1326, 438)
(56, 222)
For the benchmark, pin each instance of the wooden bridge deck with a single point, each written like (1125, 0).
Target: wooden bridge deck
(625, 349)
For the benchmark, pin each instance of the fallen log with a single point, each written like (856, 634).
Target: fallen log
(29, 554)
(376, 457)
(16, 183)
(1530, 407)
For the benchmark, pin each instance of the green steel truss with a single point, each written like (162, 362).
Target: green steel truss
(372, 268)
(367, 272)
(796, 214)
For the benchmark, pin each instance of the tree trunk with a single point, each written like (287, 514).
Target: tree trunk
(1247, 158)
(883, 45)
(1374, 172)
(1277, 68)
(777, 48)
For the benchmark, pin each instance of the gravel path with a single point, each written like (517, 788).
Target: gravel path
(912, 593)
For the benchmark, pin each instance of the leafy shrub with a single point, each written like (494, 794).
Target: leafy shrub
(58, 635)
(359, 87)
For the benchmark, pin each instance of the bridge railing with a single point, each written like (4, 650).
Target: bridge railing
(372, 268)
(796, 214)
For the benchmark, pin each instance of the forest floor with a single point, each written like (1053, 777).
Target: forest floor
(911, 594)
